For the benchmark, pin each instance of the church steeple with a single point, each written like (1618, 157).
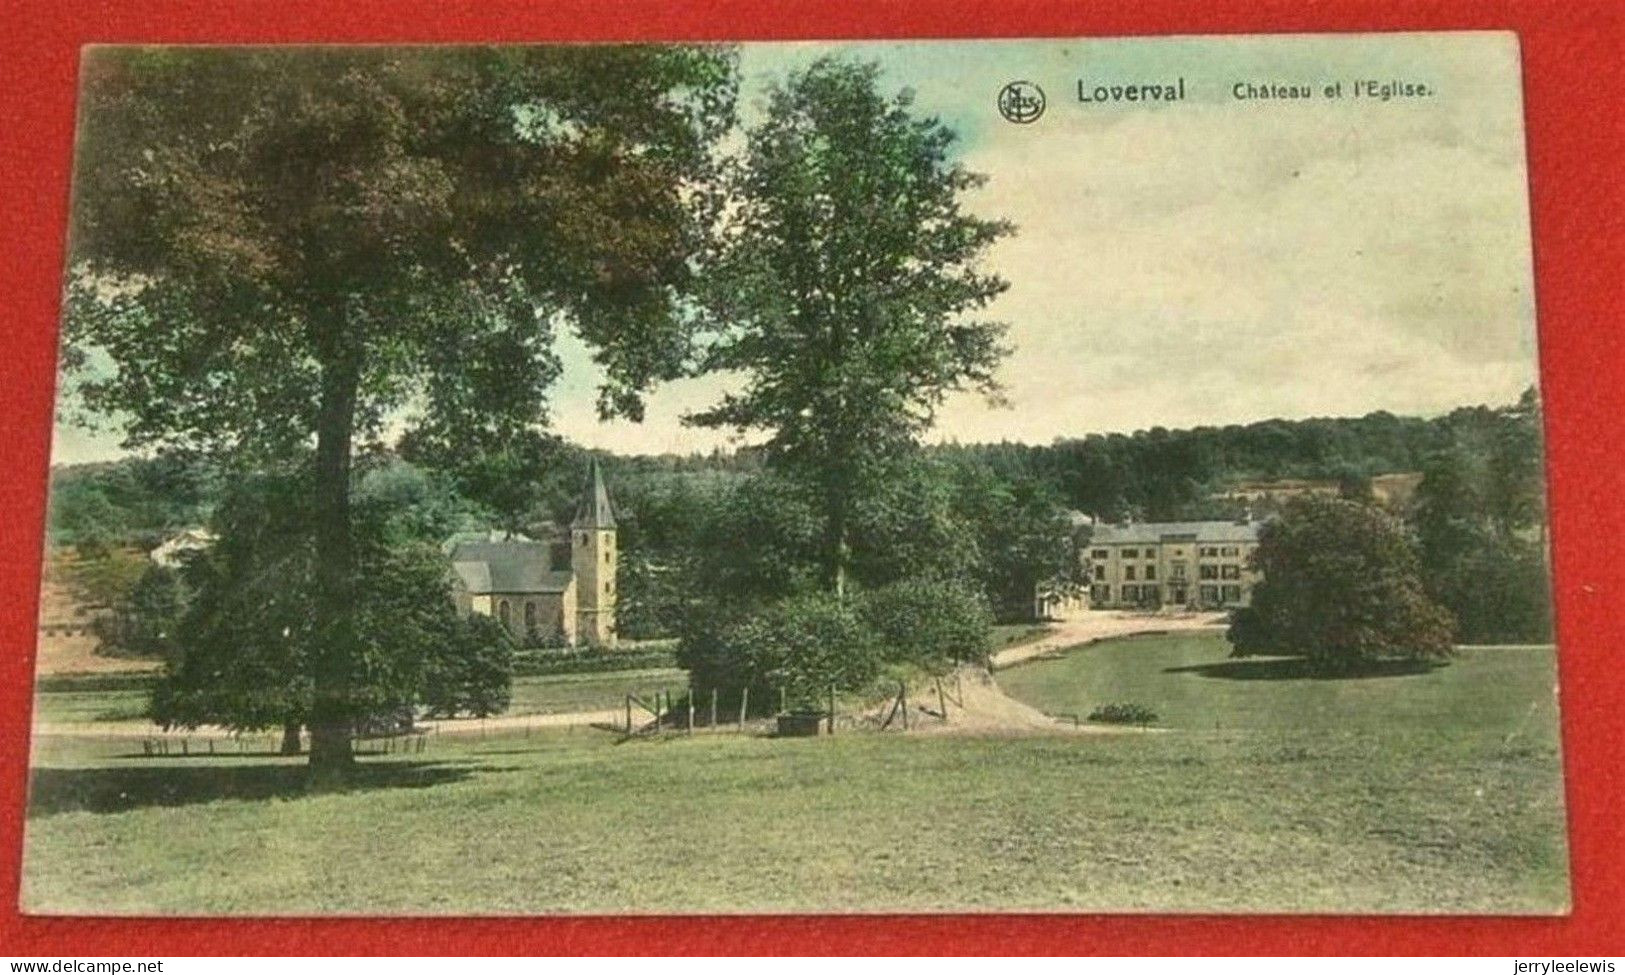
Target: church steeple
(593, 510)
(594, 560)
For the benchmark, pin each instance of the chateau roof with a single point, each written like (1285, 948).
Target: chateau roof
(594, 510)
(507, 567)
(1154, 532)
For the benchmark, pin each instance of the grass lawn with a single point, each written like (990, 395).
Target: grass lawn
(54, 707)
(1431, 793)
(559, 693)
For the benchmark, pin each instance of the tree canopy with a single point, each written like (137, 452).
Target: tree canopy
(847, 287)
(274, 246)
(1343, 588)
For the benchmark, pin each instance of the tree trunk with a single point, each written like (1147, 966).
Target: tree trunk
(331, 719)
(837, 548)
(290, 738)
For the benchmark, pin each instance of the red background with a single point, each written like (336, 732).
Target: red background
(1572, 65)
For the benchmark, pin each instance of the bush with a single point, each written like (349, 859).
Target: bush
(532, 663)
(1123, 714)
(803, 645)
(472, 672)
(931, 624)
(1342, 587)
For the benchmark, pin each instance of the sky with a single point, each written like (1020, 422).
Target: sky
(1208, 261)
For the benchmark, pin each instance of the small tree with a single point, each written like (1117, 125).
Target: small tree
(1342, 586)
(144, 622)
(247, 642)
(928, 623)
(802, 646)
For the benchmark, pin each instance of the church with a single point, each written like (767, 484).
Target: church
(559, 592)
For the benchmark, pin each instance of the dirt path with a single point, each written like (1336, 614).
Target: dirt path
(1088, 628)
(457, 726)
(1104, 624)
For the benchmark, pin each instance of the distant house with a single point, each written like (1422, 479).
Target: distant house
(174, 550)
(1279, 490)
(560, 591)
(1194, 564)
(1391, 490)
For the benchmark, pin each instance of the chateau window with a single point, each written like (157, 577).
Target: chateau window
(1179, 572)
(1131, 553)
(606, 556)
(1150, 573)
(1231, 571)
(1131, 594)
(1232, 594)
(1210, 594)
(1210, 551)
(1100, 594)
(1128, 571)
(1100, 553)
(1231, 550)
(1100, 572)
(1208, 572)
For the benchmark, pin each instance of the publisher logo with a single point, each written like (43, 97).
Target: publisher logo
(1021, 102)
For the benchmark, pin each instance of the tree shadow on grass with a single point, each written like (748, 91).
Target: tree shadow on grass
(1299, 668)
(120, 789)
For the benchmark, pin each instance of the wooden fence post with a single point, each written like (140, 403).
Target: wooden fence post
(713, 709)
(629, 714)
(691, 709)
(902, 697)
(942, 700)
(781, 700)
(832, 709)
(744, 702)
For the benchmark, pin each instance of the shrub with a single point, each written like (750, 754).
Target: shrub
(803, 645)
(1342, 587)
(928, 623)
(540, 663)
(1123, 714)
(472, 672)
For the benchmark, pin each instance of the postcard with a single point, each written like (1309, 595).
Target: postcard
(1068, 475)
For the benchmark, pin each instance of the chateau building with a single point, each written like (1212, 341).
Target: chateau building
(560, 591)
(1197, 564)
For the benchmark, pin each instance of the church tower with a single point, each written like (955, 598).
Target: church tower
(593, 556)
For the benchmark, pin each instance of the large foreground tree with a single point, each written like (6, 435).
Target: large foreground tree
(848, 288)
(275, 247)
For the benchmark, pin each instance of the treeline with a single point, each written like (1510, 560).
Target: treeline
(998, 518)
(1153, 474)
(1159, 474)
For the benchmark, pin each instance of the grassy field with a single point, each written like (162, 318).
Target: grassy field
(78, 706)
(559, 693)
(551, 694)
(1429, 793)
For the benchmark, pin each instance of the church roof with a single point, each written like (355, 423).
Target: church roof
(594, 511)
(507, 567)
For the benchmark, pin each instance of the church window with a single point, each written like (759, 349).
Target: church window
(530, 619)
(503, 612)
